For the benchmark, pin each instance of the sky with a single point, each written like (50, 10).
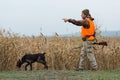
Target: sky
(30, 17)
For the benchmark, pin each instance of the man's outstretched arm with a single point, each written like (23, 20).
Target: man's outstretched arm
(84, 23)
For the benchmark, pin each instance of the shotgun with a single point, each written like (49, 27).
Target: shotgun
(104, 43)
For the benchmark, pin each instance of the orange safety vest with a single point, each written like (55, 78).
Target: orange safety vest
(89, 31)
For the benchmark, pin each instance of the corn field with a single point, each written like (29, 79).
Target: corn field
(62, 53)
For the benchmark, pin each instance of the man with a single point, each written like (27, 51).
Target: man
(88, 36)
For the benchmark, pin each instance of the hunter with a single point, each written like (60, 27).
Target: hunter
(88, 37)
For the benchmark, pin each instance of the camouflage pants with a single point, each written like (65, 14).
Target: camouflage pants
(87, 51)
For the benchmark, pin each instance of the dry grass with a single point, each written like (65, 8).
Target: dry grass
(60, 52)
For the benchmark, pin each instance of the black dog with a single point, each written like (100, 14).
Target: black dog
(31, 58)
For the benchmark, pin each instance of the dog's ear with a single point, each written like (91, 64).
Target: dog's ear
(19, 60)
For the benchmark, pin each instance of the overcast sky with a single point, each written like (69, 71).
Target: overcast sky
(31, 17)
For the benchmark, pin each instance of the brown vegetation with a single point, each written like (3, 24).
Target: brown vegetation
(61, 54)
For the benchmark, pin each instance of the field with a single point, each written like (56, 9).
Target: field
(59, 75)
(62, 53)
(62, 57)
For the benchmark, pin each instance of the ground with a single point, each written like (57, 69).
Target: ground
(59, 75)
